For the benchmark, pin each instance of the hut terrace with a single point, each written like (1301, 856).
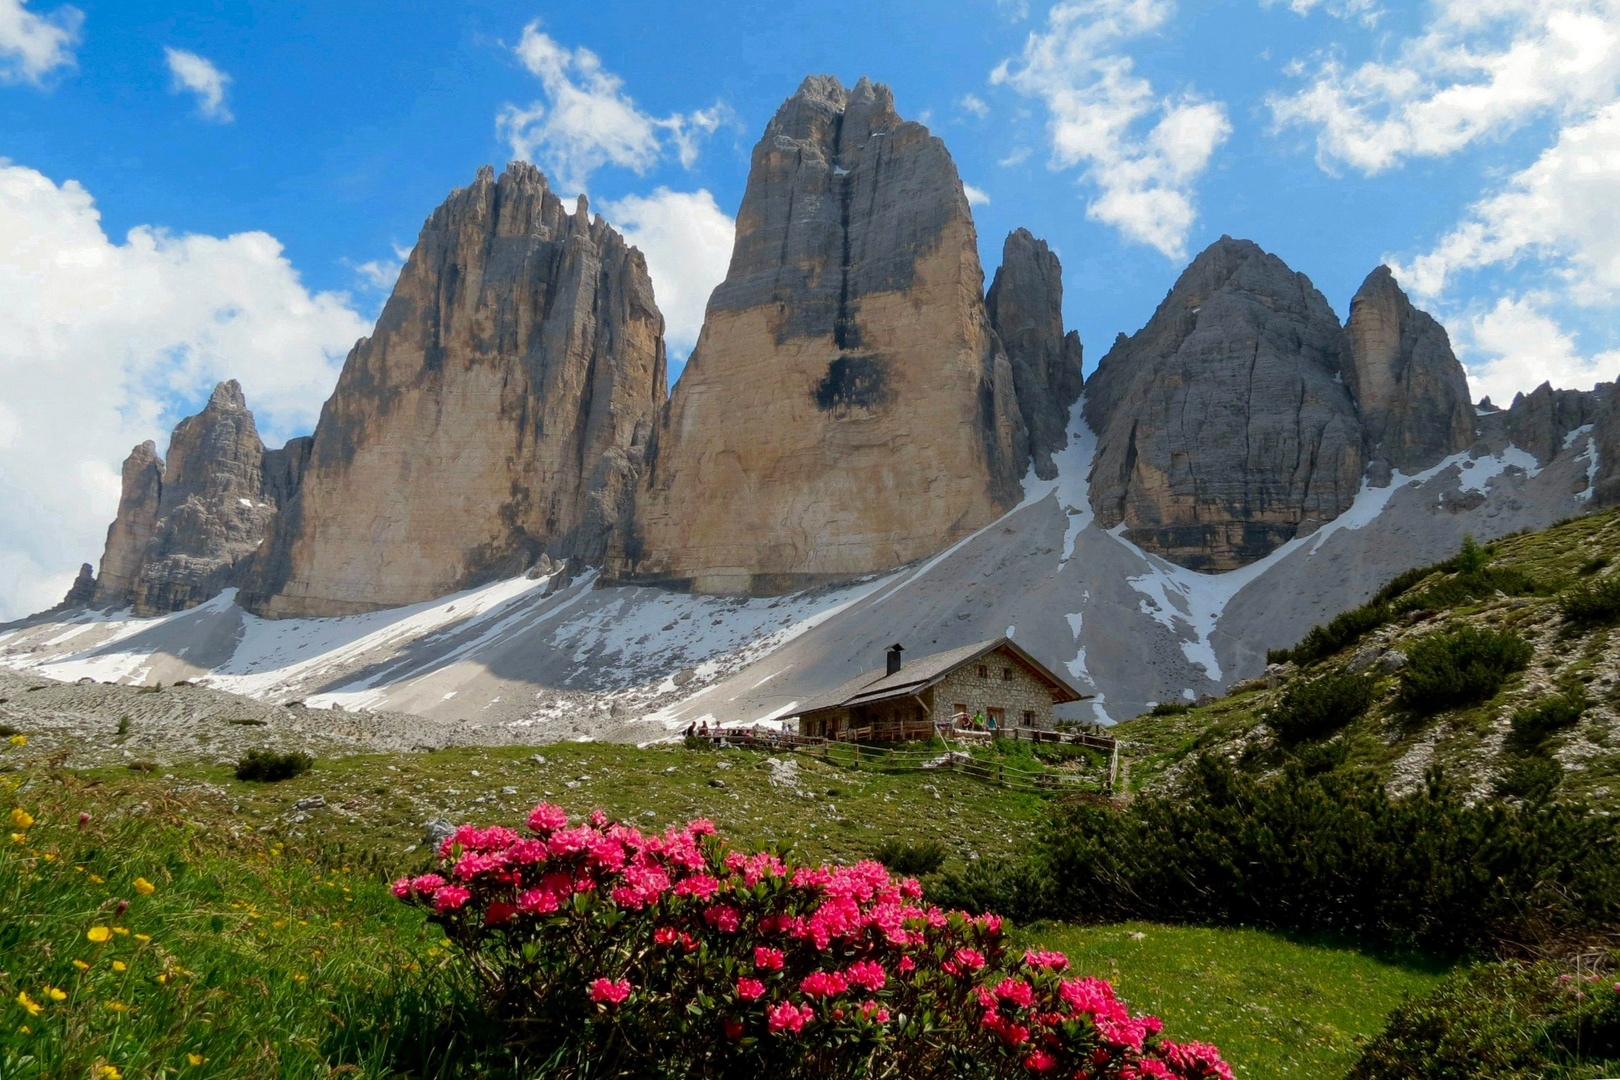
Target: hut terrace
(995, 680)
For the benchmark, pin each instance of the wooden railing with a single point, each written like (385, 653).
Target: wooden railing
(853, 754)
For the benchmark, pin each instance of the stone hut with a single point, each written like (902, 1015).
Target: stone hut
(995, 679)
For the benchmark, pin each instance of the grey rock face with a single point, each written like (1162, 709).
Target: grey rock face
(1606, 436)
(502, 408)
(1025, 305)
(1411, 391)
(132, 529)
(1541, 420)
(1222, 424)
(83, 589)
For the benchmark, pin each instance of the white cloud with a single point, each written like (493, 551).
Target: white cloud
(1478, 69)
(199, 76)
(1515, 347)
(1366, 12)
(32, 46)
(1142, 152)
(380, 274)
(1563, 210)
(588, 121)
(687, 240)
(1017, 157)
(976, 196)
(974, 104)
(105, 337)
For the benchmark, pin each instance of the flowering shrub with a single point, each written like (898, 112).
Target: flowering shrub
(676, 955)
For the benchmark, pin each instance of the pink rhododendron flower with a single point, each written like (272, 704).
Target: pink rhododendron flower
(402, 887)
(499, 914)
(972, 959)
(609, 992)
(450, 898)
(1016, 991)
(723, 917)
(733, 1029)
(538, 902)
(665, 935)
(867, 974)
(750, 989)
(788, 1017)
(875, 1012)
(546, 817)
(768, 959)
(1040, 1061)
(1043, 958)
(823, 984)
(426, 883)
(907, 964)
(701, 886)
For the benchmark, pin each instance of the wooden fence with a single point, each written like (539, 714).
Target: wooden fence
(855, 755)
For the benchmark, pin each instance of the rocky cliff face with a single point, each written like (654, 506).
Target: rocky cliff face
(1606, 437)
(1025, 306)
(189, 528)
(1411, 391)
(1541, 420)
(847, 408)
(132, 529)
(501, 410)
(1224, 428)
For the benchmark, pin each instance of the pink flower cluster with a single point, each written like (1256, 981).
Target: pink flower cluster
(775, 951)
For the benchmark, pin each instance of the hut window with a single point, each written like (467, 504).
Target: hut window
(1006, 674)
(1029, 718)
(984, 671)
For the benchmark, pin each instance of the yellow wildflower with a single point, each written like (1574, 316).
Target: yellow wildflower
(300, 978)
(81, 965)
(54, 994)
(21, 818)
(25, 1030)
(143, 937)
(98, 934)
(19, 838)
(119, 965)
(33, 1007)
(98, 879)
(195, 1059)
(117, 1006)
(19, 740)
(121, 930)
(144, 887)
(109, 1072)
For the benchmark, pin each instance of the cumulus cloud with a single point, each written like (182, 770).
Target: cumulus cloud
(687, 240)
(380, 274)
(973, 103)
(1366, 12)
(1516, 346)
(976, 196)
(588, 121)
(1476, 70)
(33, 46)
(1142, 152)
(197, 75)
(1563, 210)
(106, 338)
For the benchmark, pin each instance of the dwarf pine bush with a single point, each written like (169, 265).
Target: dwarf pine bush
(267, 766)
(612, 953)
(1314, 708)
(1460, 667)
(1592, 603)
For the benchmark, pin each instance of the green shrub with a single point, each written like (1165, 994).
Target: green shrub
(1318, 707)
(1593, 603)
(269, 767)
(1330, 852)
(1534, 723)
(912, 859)
(1503, 1021)
(1472, 558)
(1593, 565)
(1171, 708)
(1531, 778)
(1017, 888)
(1460, 667)
(1346, 628)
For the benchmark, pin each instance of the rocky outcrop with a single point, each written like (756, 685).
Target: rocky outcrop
(1606, 444)
(1223, 426)
(1411, 391)
(1541, 420)
(187, 529)
(502, 409)
(131, 531)
(847, 407)
(83, 590)
(1025, 305)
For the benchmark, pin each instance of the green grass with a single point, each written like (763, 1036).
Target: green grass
(1275, 1006)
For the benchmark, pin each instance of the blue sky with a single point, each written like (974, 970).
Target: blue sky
(274, 159)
